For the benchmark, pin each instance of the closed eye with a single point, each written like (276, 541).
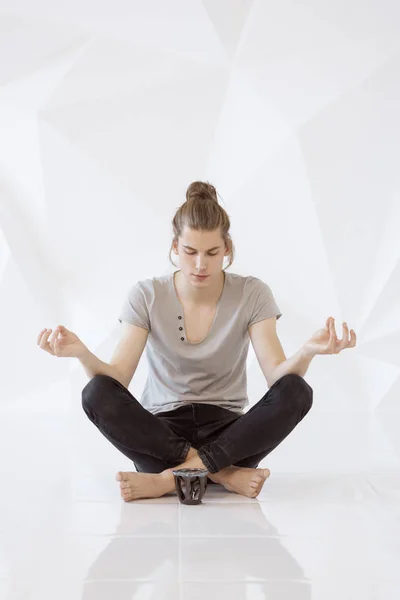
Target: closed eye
(215, 253)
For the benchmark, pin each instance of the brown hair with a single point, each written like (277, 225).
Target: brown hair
(202, 212)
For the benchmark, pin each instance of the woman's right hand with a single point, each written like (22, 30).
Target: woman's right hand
(61, 343)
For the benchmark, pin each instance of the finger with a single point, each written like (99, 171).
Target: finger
(49, 340)
(350, 343)
(333, 327)
(44, 344)
(44, 338)
(345, 340)
(333, 338)
(338, 342)
(53, 338)
(40, 336)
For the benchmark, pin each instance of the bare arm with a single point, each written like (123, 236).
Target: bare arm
(94, 366)
(297, 364)
(125, 358)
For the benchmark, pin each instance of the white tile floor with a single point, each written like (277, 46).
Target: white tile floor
(66, 534)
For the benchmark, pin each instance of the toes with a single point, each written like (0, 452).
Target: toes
(121, 476)
(252, 493)
(258, 480)
(264, 473)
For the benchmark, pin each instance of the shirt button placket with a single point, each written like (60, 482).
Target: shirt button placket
(180, 329)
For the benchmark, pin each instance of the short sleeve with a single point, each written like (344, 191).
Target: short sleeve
(134, 309)
(264, 304)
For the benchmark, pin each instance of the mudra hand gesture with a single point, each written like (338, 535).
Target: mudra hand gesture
(325, 341)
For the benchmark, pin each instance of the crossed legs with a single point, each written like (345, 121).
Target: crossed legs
(248, 439)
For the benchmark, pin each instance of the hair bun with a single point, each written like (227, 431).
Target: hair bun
(201, 190)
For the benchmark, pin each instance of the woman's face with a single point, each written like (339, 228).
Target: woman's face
(201, 253)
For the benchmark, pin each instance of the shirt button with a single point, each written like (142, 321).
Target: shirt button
(182, 339)
(179, 317)
(180, 328)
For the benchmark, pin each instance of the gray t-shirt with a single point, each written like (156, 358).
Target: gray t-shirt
(212, 371)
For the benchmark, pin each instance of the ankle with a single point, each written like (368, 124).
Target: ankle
(192, 452)
(219, 476)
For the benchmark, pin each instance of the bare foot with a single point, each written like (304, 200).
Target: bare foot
(248, 482)
(192, 452)
(142, 485)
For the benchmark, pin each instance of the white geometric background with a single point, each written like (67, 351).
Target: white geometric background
(108, 110)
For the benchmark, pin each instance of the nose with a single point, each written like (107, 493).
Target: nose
(201, 265)
(201, 270)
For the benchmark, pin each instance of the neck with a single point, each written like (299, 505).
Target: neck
(201, 296)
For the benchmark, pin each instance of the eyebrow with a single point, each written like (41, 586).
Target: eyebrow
(209, 250)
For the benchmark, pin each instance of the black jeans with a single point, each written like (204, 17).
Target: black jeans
(155, 442)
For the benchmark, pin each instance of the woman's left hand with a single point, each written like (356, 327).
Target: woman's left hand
(325, 341)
